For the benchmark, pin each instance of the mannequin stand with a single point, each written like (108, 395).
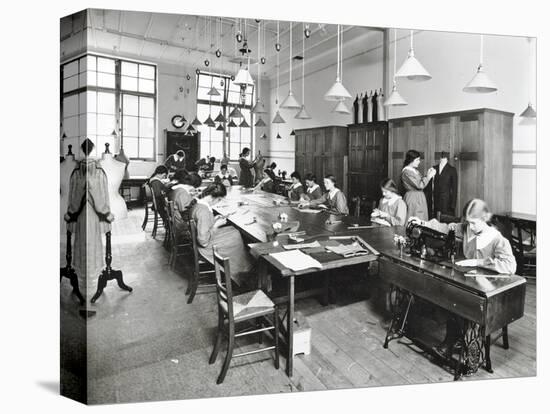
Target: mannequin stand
(69, 272)
(109, 273)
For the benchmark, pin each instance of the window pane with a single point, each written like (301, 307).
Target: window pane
(147, 127)
(105, 103)
(146, 85)
(131, 147)
(92, 104)
(146, 71)
(82, 80)
(105, 80)
(245, 135)
(91, 78)
(70, 69)
(234, 150)
(130, 126)
(234, 97)
(92, 124)
(82, 125)
(204, 81)
(105, 124)
(216, 149)
(91, 62)
(82, 64)
(205, 147)
(70, 106)
(70, 84)
(129, 69)
(146, 148)
(105, 65)
(128, 83)
(82, 103)
(102, 140)
(147, 107)
(130, 105)
(70, 126)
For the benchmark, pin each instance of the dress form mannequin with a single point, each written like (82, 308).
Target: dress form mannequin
(369, 108)
(66, 169)
(115, 173)
(381, 111)
(360, 110)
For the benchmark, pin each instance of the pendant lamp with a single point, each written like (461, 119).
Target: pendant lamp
(220, 127)
(292, 133)
(220, 118)
(412, 69)
(529, 111)
(395, 99)
(302, 113)
(196, 122)
(244, 124)
(337, 92)
(243, 77)
(235, 113)
(278, 119)
(480, 83)
(290, 101)
(231, 124)
(259, 106)
(260, 122)
(279, 136)
(264, 136)
(341, 108)
(209, 122)
(213, 92)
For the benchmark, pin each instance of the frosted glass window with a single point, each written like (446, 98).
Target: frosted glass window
(146, 148)
(92, 124)
(146, 71)
(131, 147)
(146, 127)
(92, 101)
(129, 69)
(130, 126)
(105, 124)
(128, 83)
(105, 103)
(71, 127)
(70, 69)
(70, 84)
(91, 78)
(105, 80)
(70, 105)
(146, 85)
(147, 107)
(130, 105)
(91, 63)
(105, 65)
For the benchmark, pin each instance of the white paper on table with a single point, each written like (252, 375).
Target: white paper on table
(302, 245)
(296, 260)
(307, 210)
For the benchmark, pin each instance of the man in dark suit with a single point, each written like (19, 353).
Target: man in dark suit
(441, 192)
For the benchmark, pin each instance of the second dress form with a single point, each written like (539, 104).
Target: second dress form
(65, 169)
(115, 173)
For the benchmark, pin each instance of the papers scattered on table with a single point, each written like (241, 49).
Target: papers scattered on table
(296, 260)
(302, 245)
(348, 250)
(380, 221)
(475, 273)
(307, 210)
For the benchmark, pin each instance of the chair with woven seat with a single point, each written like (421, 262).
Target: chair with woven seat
(179, 241)
(253, 307)
(202, 268)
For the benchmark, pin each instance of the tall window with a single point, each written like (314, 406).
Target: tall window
(99, 94)
(229, 140)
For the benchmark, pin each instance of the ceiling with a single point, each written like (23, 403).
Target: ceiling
(189, 39)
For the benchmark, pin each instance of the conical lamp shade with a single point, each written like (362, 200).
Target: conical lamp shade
(213, 92)
(337, 92)
(302, 113)
(395, 99)
(183, 120)
(290, 102)
(341, 108)
(293, 134)
(278, 119)
(209, 122)
(260, 122)
(264, 136)
(196, 122)
(189, 131)
(243, 78)
(244, 124)
(220, 118)
(235, 113)
(412, 69)
(278, 136)
(259, 108)
(529, 112)
(220, 127)
(232, 124)
(480, 83)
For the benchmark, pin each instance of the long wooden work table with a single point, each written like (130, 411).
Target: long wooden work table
(485, 304)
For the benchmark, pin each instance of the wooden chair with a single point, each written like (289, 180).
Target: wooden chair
(148, 206)
(254, 307)
(158, 221)
(202, 268)
(178, 242)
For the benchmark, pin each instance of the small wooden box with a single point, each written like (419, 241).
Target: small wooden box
(302, 335)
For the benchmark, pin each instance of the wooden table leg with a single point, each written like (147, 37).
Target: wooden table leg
(290, 327)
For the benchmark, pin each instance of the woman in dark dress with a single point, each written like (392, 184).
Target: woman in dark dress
(246, 179)
(412, 184)
(296, 190)
(157, 182)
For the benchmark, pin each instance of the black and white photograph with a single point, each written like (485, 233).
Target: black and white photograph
(275, 206)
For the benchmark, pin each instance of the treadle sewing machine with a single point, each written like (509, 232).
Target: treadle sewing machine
(484, 304)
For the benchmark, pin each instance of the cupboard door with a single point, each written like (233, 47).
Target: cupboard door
(469, 163)
(399, 137)
(443, 135)
(419, 141)
(356, 149)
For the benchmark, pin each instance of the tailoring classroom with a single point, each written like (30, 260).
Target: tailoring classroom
(254, 206)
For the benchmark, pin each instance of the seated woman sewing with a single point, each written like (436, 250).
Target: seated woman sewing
(225, 176)
(211, 231)
(313, 191)
(333, 199)
(182, 194)
(482, 245)
(157, 182)
(296, 189)
(391, 210)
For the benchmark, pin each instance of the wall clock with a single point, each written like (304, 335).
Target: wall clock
(178, 121)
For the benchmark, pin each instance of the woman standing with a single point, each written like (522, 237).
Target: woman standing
(211, 231)
(411, 185)
(334, 199)
(391, 208)
(245, 178)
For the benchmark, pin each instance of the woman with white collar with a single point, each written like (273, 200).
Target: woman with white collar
(313, 191)
(391, 208)
(296, 189)
(412, 185)
(334, 199)
(212, 231)
(482, 244)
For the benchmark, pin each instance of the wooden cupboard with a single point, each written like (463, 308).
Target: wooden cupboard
(367, 159)
(322, 151)
(480, 145)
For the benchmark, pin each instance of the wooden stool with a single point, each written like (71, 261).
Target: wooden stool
(252, 306)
